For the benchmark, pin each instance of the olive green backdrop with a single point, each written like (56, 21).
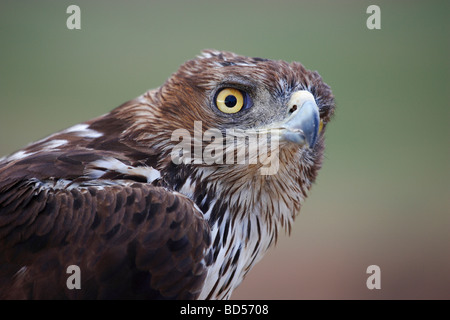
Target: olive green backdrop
(382, 196)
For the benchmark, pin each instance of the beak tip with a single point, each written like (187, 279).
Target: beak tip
(303, 127)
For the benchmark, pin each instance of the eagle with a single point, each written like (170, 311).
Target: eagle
(175, 194)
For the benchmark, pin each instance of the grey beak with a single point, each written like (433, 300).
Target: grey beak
(302, 127)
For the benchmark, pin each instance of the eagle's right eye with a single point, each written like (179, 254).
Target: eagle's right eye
(230, 100)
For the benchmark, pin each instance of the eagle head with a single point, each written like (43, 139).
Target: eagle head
(251, 129)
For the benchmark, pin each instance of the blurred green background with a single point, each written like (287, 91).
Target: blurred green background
(382, 196)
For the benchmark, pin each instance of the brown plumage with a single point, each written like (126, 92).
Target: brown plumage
(108, 196)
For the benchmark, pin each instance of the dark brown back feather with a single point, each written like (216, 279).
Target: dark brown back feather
(138, 241)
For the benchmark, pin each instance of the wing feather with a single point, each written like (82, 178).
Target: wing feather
(134, 241)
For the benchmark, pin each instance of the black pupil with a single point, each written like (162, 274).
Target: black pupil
(230, 101)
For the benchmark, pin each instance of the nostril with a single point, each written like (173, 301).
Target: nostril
(293, 109)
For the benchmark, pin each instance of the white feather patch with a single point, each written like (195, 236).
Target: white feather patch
(53, 144)
(19, 155)
(82, 130)
(112, 164)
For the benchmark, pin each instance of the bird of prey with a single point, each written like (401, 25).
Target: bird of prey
(143, 202)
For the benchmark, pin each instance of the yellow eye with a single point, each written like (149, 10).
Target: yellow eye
(230, 100)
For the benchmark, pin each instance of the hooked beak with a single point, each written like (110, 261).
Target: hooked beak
(303, 124)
